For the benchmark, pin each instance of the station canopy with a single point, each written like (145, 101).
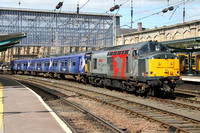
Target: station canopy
(184, 45)
(9, 40)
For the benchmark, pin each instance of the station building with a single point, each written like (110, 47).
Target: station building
(52, 32)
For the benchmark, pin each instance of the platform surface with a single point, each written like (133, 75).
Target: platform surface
(24, 112)
(191, 78)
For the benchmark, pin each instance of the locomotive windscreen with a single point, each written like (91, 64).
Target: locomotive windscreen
(152, 47)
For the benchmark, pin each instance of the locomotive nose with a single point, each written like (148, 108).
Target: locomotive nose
(164, 65)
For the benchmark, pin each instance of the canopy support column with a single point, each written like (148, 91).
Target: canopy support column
(190, 63)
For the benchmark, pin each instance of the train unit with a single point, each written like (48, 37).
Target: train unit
(184, 62)
(145, 68)
(57, 67)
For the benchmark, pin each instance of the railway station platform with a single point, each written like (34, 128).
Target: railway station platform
(191, 78)
(23, 111)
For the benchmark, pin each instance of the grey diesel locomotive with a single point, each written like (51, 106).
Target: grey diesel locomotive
(144, 68)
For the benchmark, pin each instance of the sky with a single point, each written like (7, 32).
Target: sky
(149, 12)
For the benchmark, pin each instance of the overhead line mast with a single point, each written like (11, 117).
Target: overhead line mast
(183, 13)
(131, 14)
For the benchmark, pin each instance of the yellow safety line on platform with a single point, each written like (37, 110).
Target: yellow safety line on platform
(1, 105)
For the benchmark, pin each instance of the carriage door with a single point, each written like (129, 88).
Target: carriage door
(80, 64)
(16, 65)
(43, 65)
(69, 65)
(135, 63)
(182, 63)
(22, 66)
(59, 65)
(198, 63)
(35, 65)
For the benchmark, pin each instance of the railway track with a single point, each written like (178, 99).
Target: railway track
(179, 104)
(188, 92)
(77, 118)
(170, 120)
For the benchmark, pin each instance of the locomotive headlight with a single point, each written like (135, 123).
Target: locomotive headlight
(166, 70)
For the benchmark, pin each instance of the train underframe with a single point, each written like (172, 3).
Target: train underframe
(152, 87)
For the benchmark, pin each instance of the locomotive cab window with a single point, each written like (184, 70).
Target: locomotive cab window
(143, 50)
(152, 48)
(135, 54)
(156, 47)
(163, 48)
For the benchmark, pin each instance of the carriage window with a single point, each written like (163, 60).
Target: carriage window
(126, 52)
(95, 63)
(65, 62)
(39, 64)
(122, 52)
(114, 53)
(193, 60)
(74, 62)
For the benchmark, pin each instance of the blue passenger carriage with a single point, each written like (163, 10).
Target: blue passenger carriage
(73, 64)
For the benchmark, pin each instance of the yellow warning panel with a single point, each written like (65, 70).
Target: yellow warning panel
(1, 106)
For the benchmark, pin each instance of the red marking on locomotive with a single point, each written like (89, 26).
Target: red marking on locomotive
(100, 60)
(116, 68)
